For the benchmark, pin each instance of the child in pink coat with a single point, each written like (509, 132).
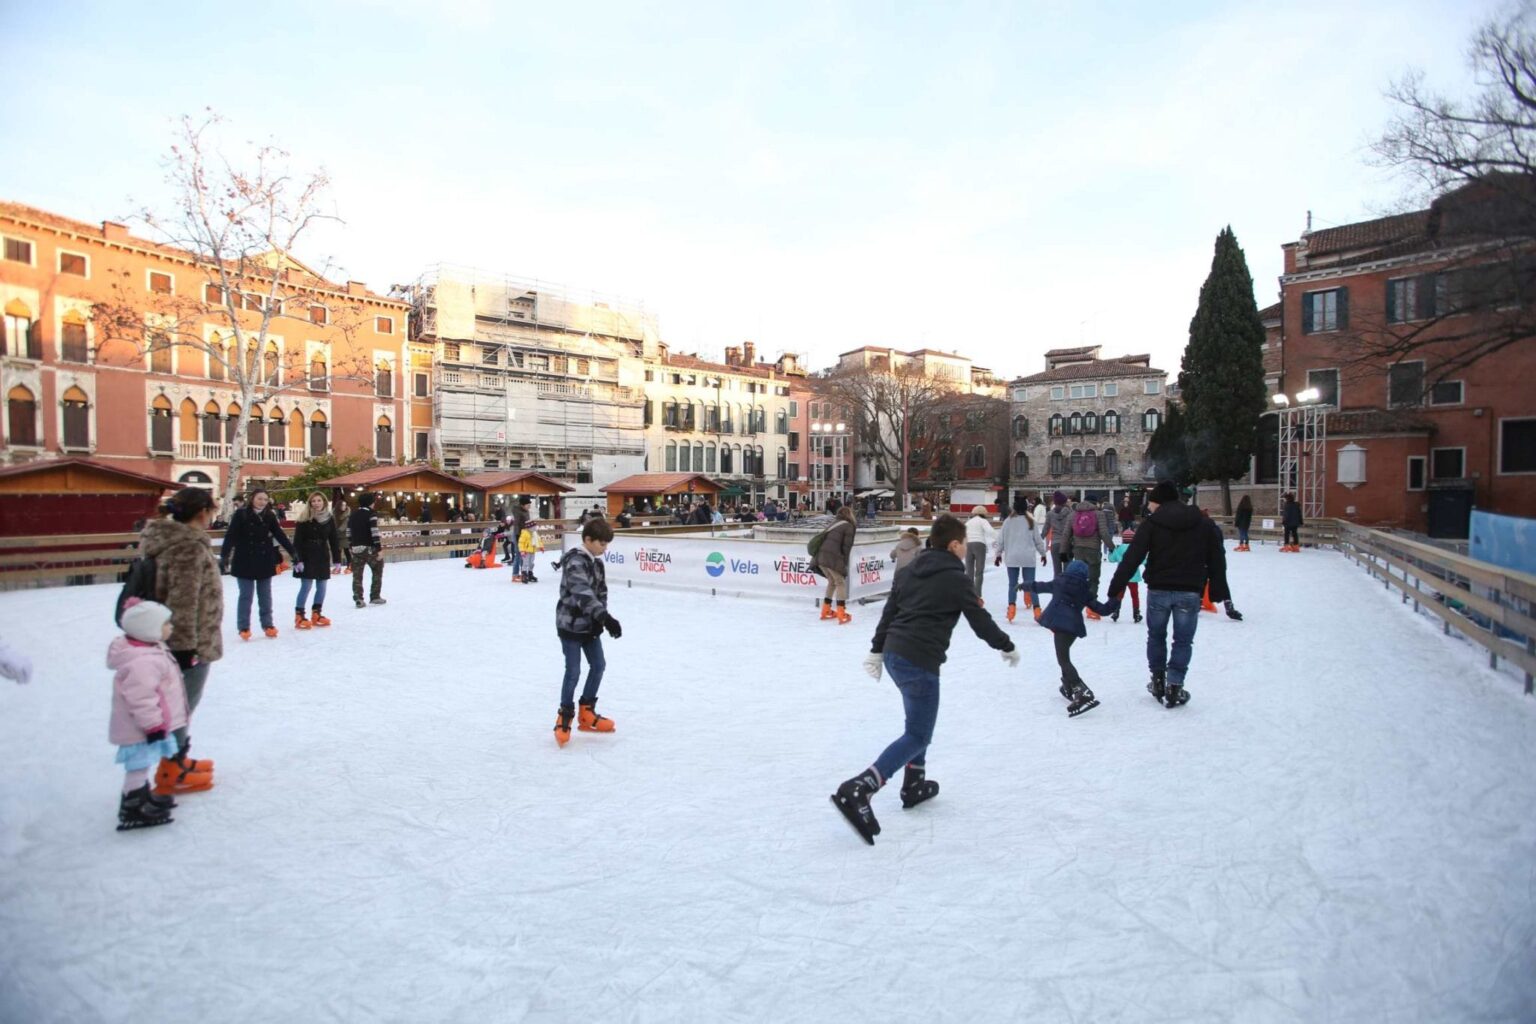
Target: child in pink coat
(148, 704)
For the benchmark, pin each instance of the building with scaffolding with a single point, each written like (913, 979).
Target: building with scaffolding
(515, 374)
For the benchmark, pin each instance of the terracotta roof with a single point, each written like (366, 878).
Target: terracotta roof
(1079, 351)
(384, 474)
(1270, 312)
(1368, 234)
(497, 481)
(656, 483)
(1126, 367)
(680, 362)
(1359, 422)
(41, 465)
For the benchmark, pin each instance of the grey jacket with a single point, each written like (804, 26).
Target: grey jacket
(907, 547)
(583, 605)
(1058, 522)
(1018, 542)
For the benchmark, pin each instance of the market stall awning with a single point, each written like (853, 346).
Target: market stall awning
(78, 476)
(399, 478)
(663, 483)
(518, 482)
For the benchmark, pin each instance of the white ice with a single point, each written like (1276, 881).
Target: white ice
(1337, 827)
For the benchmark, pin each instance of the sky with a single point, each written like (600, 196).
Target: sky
(996, 179)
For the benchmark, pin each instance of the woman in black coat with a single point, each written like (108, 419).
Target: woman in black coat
(250, 553)
(318, 543)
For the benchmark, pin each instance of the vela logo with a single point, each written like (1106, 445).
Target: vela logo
(715, 564)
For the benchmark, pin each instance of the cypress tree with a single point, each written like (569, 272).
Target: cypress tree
(1168, 450)
(1221, 380)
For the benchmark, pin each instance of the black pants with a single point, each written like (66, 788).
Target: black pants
(1064, 642)
(1293, 535)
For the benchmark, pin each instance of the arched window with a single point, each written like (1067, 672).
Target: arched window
(1020, 427)
(319, 375)
(1111, 422)
(161, 422)
(277, 434)
(1111, 462)
(709, 457)
(1020, 464)
(231, 416)
(1151, 420)
(1090, 461)
(975, 457)
(1058, 463)
(781, 466)
(270, 364)
(726, 463)
(186, 420)
(384, 440)
(384, 379)
(1090, 423)
(698, 456)
(671, 457)
(20, 337)
(221, 347)
(73, 346)
(210, 433)
(319, 434)
(296, 435)
(761, 424)
(1055, 425)
(192, 478)
(781, 423)
(1077, 461)
(1075, 424)
(77, 419)
(684, 457)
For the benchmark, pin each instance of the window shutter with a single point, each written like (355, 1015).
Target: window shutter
(1343, 308)
(35, 340)
(1306, 314)
(1426, 297)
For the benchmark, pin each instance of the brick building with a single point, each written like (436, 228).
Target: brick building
(167, 410)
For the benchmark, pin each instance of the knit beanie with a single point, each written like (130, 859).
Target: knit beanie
(1077, 567)
(142, 620)
(1164, 493)
(1059, 499)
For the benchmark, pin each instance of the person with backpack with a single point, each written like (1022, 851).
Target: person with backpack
(1092, 535)
(248, 554)
(176, 559)
(830, 551)
(318, 544)
(367, 549)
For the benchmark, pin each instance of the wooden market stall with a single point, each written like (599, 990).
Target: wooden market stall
(489, 490)
(75, 496)
(656, 489)
(403, 491)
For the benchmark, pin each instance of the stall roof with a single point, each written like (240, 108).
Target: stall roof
(378, 476)
(509, 480)
(77, 471)
(660, 483)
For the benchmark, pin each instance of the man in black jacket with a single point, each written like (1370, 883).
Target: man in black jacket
(366, 548)
(1183, 554)
(927, 598)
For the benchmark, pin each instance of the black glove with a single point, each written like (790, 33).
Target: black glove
(1233, 613)
(154, 737)
(611, 624)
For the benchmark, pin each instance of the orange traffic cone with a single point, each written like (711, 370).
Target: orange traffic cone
(1205, 600)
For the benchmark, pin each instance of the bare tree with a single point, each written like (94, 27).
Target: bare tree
(956, 423)
(1475, 159)
(239, 228)
(885, 401)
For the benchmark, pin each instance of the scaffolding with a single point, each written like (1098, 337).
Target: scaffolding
(1304, 457)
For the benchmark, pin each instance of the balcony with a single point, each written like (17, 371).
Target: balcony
(212, 451)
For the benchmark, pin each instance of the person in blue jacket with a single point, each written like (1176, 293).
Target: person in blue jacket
(1070, 594)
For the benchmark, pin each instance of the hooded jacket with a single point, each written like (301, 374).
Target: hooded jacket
(1018, 542)
(147, 693)
(1070, 595)
(1182, 550)
(187, 582)
(1058, 523)
(927, 598)
(907, 547)
(583, 605)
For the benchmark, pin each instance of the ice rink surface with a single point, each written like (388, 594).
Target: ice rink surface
(1337, 827)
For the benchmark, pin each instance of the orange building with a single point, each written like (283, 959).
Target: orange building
(75, 386)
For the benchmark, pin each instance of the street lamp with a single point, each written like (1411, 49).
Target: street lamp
(828, 442)
(1303, 439)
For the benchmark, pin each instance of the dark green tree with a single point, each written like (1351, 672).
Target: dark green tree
(1221, 381)
(322, 467)
(1168, 450)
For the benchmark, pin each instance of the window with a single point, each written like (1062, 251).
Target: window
(1058, 392)
(383, 380)
(1350, 465)
(1020, 464)
(77, 419)
(252, 301)
(1090, 423)
(419, 449)
(1517, 446)
(1077, 461)
(73, 347)
(690, 417)
(20, 332)
(1075, 423)
(650, 375)
(725, 459)
(975, 457)
(1447, 392)
(1111, 462)
(781, 466)
(319, 435)
(1020, 427)
(1111, 390)
(210, 432)
(1404, 300)
(161, 283)
(1405, 384)
(277, 434)
(490, 357)
(21, 416)
(684, 457)
(419, 383)
(1111, 422)
(18, 250)
(319, 376)
(159, 352)
(1416, 472)
(671, 460)
(318, 314)
(794, 410)
(384, 324)
(1325, 311)
(794, 440)
(230, 416)
(161, 422)
(1151, 387)
(1151, 420)
(74, 264)
(451, 352)
(1327, 384)
(709, 457)
(213, 295)
(781, 422)
(384, 439)
(1447, 463)
(1084, 391)
(1054, 425)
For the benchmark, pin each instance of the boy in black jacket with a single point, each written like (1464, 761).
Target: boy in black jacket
(366, 547)
(581, 615)
(927, 598)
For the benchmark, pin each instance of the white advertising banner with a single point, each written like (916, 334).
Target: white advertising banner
(738, 567)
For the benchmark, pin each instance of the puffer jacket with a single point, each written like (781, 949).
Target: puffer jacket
(583, 605)
(187, 582)
(836, 549)
(147, 693)
(1105, 536)
(1070, 595)
(907, 547)
(1018, 542)
(1058, 523)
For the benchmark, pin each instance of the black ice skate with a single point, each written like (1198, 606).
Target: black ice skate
(852, 799)
(1175, 696)
(1155, 687)
(916, 787)
(1136, 615)
(139, 810)
(1082, 700)
(1065, 689)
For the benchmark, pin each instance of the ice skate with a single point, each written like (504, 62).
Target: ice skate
(1013, 610)
(245, 634)
(843, 618)
(1155, 686)
(1175, 696)
(852, 801)
(377, 600)
(1136, 615)
(139, 810)
(174, 777)
(316, 619)
(916, 787)
(563, 724)
(588, 720)
(270, 632)
(1082, 700)
(826, 611)
(300, 622)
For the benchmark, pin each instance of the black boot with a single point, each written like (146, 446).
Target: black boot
(852, 799)
(1136, 615)
(1175, 696)
(1065, 689)
(1155, 687)
(139, 810)
(915, 786)
(1082, 700)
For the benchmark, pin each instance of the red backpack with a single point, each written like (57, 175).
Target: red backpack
(1085, 523)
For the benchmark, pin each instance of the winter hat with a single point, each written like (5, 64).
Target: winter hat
(912, 530)
(1164, 493)
(1020, 504)
(1128, 536)
(365, 499)
(1059, 498)
(143, 620)
(1078, 567)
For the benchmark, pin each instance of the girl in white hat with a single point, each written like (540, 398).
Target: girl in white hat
(148, 704)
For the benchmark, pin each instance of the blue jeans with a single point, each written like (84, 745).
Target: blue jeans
(592, 647)
(1242, 535)
(1185, 611)
(298, 605)
(1016, 575)
(920, 696)
(263, 590)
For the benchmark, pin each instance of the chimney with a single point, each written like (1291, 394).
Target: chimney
(749, 353)
(113, 231)
(732, 356)
(356, 288)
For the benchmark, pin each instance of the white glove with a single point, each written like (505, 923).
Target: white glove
(872, 664)
(1011, 658)
(14, 664)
